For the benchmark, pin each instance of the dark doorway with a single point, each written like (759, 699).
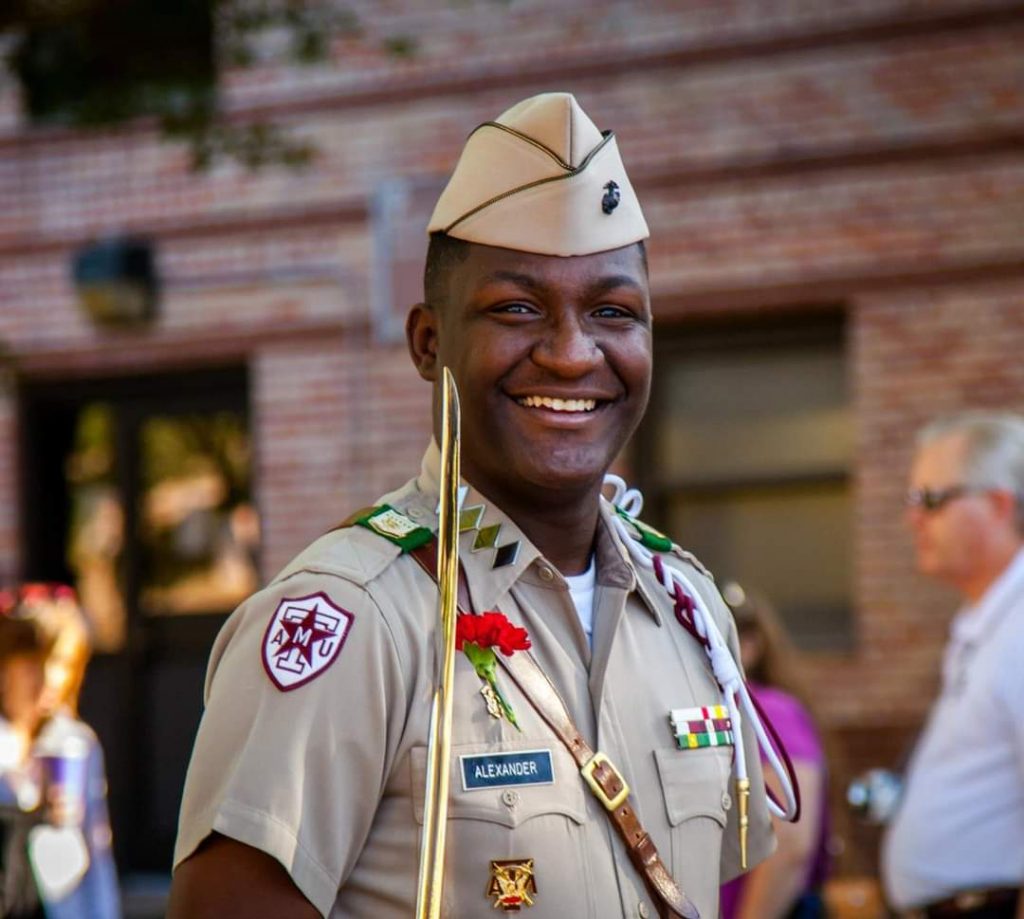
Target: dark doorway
(138, 492)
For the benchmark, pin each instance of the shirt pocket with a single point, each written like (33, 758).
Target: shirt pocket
(695, 785)
(545, 823)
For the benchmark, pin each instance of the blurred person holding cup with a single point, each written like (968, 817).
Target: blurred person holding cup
(57, 772)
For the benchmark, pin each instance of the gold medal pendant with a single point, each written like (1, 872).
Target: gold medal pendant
(512, 884)
(491, 698)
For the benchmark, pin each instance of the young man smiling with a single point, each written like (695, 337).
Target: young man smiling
(305, 793)
(552, 358)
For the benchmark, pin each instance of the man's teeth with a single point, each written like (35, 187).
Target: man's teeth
(559, 405)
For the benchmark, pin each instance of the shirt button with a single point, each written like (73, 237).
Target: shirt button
(546, 574)
(510, 797)
(643, 911)
(726, 802)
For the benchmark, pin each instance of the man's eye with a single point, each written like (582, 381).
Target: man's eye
(613, 312)
(520, 309)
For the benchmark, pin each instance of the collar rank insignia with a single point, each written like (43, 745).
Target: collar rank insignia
(512, 884)
(487, 537)
(303, 639)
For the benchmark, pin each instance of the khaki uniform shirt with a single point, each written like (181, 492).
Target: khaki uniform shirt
(327, 776)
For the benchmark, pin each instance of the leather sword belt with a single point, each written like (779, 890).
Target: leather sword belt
(987, 903)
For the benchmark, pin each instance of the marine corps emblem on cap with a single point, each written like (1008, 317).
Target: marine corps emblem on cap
(512, 884)
(541, 178)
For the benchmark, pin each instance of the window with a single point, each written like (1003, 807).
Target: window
(745, 459)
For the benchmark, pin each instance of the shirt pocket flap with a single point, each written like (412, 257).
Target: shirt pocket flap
(695, 783)
(508, 805)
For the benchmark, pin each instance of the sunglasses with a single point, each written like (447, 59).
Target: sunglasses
(932, 499)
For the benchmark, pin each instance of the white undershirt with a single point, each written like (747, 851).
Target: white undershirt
(581, 587)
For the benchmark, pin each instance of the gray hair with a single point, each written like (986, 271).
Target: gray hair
(995, 450)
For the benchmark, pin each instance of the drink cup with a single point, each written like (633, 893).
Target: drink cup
(64, 779)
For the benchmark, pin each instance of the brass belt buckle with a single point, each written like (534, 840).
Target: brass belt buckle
(587, 771)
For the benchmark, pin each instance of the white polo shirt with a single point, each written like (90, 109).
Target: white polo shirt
(960, 824)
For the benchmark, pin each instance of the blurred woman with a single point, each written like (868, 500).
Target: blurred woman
(788, 884)
(70, 847)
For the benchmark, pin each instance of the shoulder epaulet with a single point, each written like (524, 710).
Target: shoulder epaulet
(679, 552)
(657, 541)
(393, 525)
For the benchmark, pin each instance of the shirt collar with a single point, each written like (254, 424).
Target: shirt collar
(429, 479)
(488, 584)
(480, 544)
(615, 566)
(972, 623)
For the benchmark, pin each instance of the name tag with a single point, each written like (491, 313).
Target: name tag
(497, 770)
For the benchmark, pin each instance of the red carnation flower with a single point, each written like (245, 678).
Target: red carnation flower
(490, 630)
(477, 637)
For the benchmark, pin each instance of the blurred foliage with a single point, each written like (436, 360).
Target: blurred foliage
(85, 63)
(92, 458)
(190, 445)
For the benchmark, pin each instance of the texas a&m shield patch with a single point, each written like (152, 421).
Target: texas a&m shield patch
(303, 639)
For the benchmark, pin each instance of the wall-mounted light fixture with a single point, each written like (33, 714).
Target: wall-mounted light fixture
(117, 281)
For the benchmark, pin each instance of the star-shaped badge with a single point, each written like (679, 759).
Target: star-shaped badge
(303, 634)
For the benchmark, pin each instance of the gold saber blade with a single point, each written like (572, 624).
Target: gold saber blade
(435, 809)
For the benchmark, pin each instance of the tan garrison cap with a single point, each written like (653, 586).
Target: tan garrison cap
(541, 178)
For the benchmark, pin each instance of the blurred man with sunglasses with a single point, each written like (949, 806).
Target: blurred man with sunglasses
(956, 845)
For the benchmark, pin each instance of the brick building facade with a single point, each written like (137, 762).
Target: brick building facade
(795, 157)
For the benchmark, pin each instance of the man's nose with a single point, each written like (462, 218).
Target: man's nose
(567, 349)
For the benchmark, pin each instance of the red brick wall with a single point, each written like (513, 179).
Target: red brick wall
(338, 423)
(789, 153)
(8, 478)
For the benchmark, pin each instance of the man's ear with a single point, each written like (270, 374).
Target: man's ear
(421, 337)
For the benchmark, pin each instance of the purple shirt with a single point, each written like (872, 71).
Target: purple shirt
(794, 726)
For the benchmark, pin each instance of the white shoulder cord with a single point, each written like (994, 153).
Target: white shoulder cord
(734, 691)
